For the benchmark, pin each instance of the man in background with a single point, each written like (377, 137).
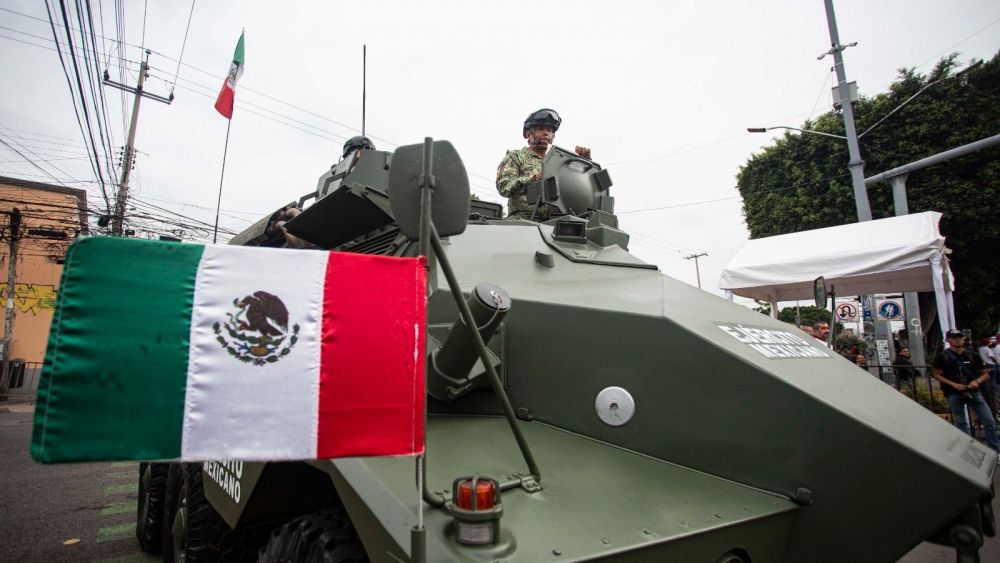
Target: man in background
(962, 374)
(988, 354)
(905, 372)
(821, 331)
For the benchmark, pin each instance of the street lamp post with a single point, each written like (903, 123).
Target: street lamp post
(856, 165)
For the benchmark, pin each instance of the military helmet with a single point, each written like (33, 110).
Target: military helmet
(543, 116)
(358, 142)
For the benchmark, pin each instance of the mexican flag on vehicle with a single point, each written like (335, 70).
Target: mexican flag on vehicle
(163, 350)
(227, 96)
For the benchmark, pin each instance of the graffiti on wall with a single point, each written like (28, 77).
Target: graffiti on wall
(31, 298)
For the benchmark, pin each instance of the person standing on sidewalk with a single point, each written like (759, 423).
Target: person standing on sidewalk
(906, 374)
(989, 358)
(961, 374)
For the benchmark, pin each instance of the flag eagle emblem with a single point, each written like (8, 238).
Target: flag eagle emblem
(257, 331)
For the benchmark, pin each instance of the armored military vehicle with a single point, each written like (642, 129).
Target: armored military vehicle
(581, 406)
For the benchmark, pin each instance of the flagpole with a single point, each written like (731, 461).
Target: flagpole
(218, 205)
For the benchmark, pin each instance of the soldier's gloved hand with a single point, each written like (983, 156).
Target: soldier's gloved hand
(292, 240)
(583, 151)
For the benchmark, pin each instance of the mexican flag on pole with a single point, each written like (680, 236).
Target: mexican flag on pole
(179, 351)
(227, 96)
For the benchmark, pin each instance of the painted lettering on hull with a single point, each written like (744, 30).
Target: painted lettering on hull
(227, 475)
(774, 344)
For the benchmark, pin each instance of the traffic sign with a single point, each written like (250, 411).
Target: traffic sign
(866, 307)
(847, 312)
(890, 310)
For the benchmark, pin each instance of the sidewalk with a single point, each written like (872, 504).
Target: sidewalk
(18, 404)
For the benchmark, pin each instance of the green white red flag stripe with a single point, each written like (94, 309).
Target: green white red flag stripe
(179, 351)
(227, 96)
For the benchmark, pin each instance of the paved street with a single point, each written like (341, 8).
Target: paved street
(86, 511)
(77, 512)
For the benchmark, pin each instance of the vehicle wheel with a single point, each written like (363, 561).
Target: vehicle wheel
(326, 536)
(149, 510)
(193, 531)
(174, 532)
(735, 556)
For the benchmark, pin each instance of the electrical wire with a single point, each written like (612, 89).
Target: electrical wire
(87, 130)
(120, 35)
(481, 185)
(39, 159)
(689, 204)
(33, 163)
(145, 9)
(975, 33)
(183, 44)
(822, 90)
(100, 105)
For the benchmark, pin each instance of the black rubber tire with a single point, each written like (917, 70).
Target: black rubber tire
(149, 509)
(735, 556)
(175, 512)
(326, 536)
(194, 532)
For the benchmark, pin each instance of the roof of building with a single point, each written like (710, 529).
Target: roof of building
(79, 193)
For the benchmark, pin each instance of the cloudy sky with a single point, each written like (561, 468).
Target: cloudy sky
(661, 91)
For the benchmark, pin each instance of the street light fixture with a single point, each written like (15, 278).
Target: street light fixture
(766, 129)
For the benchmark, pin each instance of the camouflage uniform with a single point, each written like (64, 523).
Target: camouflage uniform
(513, 174)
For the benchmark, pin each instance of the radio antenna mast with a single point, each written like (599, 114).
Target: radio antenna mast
(364, 93)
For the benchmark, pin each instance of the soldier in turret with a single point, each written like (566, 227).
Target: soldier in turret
(352, 147)
(520, 167)
(357, 144)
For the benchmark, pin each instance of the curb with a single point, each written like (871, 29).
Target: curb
(26, 405)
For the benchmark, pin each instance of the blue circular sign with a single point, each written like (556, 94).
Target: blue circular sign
(889, 310)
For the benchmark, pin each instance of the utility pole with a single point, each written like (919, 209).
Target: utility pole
(878, 330)
(128, 155)
(13, 235)
(697, 271)
(856, 165)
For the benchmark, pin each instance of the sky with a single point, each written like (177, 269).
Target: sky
(662, 92)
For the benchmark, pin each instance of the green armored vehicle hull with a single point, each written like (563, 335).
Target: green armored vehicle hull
(652, 421)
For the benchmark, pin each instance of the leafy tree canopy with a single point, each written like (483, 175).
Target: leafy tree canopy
(808, 315)
(802, 181)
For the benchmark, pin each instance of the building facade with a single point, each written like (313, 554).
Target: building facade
(47, 219)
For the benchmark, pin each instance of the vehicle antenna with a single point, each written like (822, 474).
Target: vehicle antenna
(364, 69)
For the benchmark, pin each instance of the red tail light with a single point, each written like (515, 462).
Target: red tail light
(476, 507)
(485, 495)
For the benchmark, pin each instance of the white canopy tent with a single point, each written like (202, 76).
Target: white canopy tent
(898, 254)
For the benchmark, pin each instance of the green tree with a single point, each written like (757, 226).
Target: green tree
(802, 181)
(808, 315)
(763, 307)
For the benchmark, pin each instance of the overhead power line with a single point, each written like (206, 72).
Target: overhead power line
(77, 96)
(32, 162)
(689, 204)
(183, 44)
